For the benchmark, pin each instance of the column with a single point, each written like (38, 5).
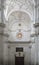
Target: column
(2, 25)
(36, 25)
(30, 53)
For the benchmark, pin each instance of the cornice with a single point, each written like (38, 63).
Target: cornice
(6, 35)
(33, 35)
(21, 42)
(36, 25)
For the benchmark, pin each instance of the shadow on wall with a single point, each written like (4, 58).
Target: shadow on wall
(1, 62)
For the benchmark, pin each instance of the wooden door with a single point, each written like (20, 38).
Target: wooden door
(19, 60)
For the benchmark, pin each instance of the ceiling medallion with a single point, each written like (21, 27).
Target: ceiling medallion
(19, 35)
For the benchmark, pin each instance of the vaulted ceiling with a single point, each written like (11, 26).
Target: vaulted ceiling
(18, 5)
(19, 15)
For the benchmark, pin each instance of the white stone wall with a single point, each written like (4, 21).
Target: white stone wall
(9, 53)
(34, 51)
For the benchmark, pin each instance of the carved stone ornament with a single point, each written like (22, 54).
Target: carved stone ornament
(19, 35)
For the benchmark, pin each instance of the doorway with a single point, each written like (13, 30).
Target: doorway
(19, 60)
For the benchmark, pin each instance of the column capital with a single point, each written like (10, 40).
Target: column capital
(6, 35)
(33, 35)
(36, 24)
(2, 25)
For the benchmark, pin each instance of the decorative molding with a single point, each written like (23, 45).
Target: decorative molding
(2, 25)
(6, 35)
(19, 35)
(36, 25)
(33, 35)
(21, 42)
